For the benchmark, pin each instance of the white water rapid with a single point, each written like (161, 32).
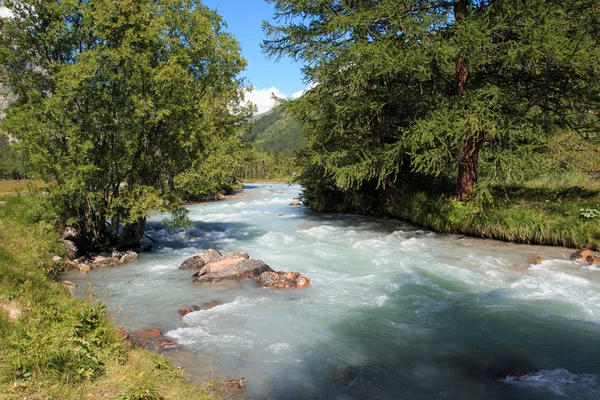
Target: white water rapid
(393, 312)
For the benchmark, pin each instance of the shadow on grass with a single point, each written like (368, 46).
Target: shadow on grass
(520, 192)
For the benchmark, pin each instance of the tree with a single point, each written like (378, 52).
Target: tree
(407, 87)
(115, 101)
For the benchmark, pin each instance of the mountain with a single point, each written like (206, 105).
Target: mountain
(275, 131)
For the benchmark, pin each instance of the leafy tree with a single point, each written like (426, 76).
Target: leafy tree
(115, 101)
(412, 89)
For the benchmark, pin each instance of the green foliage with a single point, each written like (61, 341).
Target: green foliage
(529, 212)
(275, 137)
(11, 162)
(116, 100)
(409, 92)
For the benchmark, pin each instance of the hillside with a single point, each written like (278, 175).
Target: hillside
(275, 132)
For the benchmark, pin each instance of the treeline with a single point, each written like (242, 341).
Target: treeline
(12, 165)
(445, 98)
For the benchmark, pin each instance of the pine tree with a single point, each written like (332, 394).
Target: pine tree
(428, 87)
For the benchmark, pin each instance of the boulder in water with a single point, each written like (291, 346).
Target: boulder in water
(201, 259)
(101, 261)
(280, 279)
(581, 254)
(231, 269)
(197, 307)
(295, 203)
(236, 254)
(592, 259)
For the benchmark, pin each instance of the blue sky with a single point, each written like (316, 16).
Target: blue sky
(244, 20)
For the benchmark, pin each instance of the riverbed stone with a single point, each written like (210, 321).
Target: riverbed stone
(83, 267)
(232, 386)
(201, 259)
(101, 261)
(235, 254)
(280, 279)
(197, 307)
(581, 254)
(592, 259)
(231, 269)
(71, 249)
(129, 256)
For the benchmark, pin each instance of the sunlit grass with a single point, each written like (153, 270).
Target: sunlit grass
(15, 187)
(542, 211)
(63, 347)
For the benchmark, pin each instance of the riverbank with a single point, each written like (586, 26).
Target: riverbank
(538, 212)
(53, 345)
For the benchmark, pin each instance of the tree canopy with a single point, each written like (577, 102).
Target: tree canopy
(120, 104)
(407, 89)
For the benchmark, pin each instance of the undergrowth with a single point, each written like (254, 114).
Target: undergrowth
(63, 347)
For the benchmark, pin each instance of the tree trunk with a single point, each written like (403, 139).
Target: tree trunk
(468, 153)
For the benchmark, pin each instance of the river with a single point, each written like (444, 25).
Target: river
(393, 312)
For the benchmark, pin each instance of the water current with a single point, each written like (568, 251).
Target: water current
(393, 312)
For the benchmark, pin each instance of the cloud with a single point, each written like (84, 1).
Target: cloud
(263, 98)
(5, 12)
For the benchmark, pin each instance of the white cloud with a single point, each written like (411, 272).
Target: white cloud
(5, 12)
(263, 98)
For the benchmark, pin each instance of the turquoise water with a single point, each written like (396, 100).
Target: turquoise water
(393, 312)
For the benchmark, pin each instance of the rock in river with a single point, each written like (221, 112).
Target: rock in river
(201, 259)
(282, 279)
(231, 269)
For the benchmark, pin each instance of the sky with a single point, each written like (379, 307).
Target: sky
(267, 76)
(244, 20)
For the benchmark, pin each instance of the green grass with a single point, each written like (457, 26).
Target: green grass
(15, 187)
(543, 211)
(63, 347)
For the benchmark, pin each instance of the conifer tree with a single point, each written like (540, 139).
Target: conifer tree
(429, 86)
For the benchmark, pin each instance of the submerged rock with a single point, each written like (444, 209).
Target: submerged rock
(280, 279)
(233, 386)
(201, 259)
(295, 203)
(231, 269)
(153, 339)
(197, 307)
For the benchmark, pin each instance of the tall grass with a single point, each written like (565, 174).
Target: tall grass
(545, 211)
(63, 347)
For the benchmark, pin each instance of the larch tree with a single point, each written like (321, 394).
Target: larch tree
(118, 103)
(413, 89)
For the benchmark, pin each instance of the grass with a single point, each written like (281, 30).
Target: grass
(544, 211)
(63, 347)
(15, 187)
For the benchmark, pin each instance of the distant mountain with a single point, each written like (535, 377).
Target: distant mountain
(275, 131)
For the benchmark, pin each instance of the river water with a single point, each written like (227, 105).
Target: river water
(393, 312)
